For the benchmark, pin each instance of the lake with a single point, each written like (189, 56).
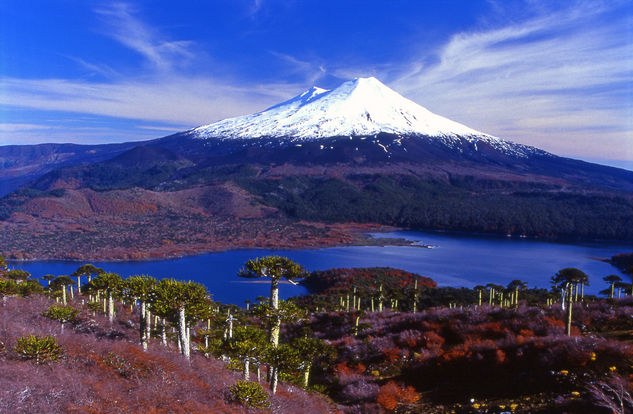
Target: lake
(455, 260)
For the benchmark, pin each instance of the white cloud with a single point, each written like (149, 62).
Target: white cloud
(162, 93)
(126, 28)
(561, 81)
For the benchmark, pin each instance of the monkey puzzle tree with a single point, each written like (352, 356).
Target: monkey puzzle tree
(281, 358)
(515, 286)
(622, 286)
(479, 289)
(18, 275)
(63, 314)
(8, 287)
(86, 270)
(566, 279)
(59, 284)
(182, 303)
(48, 279)
(493, 290)
(110, 284)
(612, 280)
(247, 344)
(141, 288)
(276, 268)
(310, 350)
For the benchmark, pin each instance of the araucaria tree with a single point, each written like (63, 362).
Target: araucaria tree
(612, 280)
(567, 279)
(110, 283)
(59, 284)
(182, 303)
(141, 289)
(248, 344)
(18, 275)
(311, 350)
(86, 270)
(275, 268)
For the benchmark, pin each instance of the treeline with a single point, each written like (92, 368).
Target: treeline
(465, 205)
(364, 336)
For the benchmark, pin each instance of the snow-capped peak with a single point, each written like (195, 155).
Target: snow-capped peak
(363, 106)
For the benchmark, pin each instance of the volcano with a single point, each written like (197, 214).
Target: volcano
(360, 154)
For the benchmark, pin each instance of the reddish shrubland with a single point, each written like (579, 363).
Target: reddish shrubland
(391, 394)
(485, 353)
(104, 370)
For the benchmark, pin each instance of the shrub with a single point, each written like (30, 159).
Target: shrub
(63, 314)
(39, 348)
(391, 394)
(250, 394)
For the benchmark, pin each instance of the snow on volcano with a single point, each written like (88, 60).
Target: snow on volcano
(360, 107)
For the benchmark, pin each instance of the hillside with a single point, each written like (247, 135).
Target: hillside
(103, 370)
(490, 350)
(313, 166)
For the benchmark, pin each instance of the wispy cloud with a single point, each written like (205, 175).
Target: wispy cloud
(161, 93)
(311, 70)
(560, 80)
(126, 28)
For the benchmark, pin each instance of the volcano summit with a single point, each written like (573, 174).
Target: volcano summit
(359, 154)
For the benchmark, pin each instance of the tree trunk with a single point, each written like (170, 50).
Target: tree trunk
(64, 295)
(516, 297)
(273, 381)
(274, 303)
(569, 306)
(247, 372)
(306, 375)
(164, 332)
(182, 332)
(188, 338)
(582, 291)
(148, 324)
(110, 307)
(480, 297)
(259, 372)
(79, 284)
(72, 294)
(142, 331)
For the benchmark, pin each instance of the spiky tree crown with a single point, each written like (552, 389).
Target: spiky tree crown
(60, 281)
(108, 282)
(170, 295)
(274, 267)
(139, 287)
(87, 269)
(570, 275)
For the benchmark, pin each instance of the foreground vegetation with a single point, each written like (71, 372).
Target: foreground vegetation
(364, 340)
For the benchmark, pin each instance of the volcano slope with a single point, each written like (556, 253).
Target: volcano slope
(286, 177)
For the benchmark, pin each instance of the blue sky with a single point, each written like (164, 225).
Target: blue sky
(556, 75)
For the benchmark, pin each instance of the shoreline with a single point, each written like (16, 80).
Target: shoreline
(359, 234)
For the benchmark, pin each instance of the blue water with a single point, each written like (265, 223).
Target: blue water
(457, 260)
